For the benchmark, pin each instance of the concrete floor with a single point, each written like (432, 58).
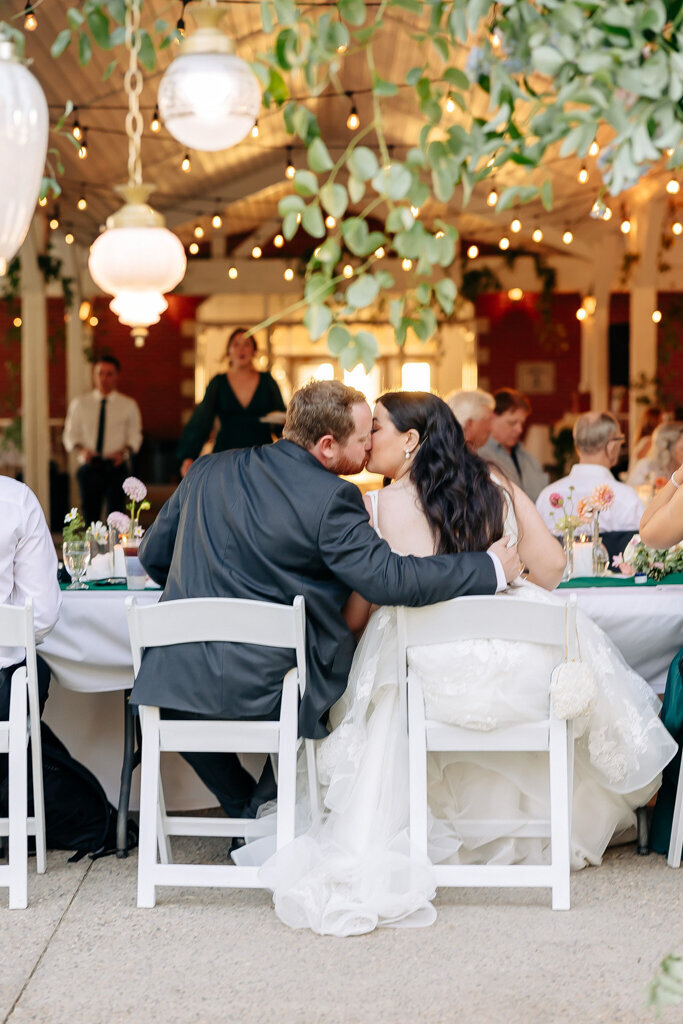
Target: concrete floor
(84, 954)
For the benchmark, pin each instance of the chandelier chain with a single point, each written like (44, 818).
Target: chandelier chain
(132, 83)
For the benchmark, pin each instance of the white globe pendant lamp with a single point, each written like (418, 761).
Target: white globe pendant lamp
(209, 98)
(24, 125)
(136, 258)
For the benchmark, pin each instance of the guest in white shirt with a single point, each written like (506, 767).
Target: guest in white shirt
(474, 412)
(104, 428)
(598, 440)
(28, 568)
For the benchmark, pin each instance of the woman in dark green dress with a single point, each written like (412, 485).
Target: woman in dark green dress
(247, 403)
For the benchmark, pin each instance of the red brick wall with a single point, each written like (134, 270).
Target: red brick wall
(10, 358)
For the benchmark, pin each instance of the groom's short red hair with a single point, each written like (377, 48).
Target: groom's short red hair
(319, 408)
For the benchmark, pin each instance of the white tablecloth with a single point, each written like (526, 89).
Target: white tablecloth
(89, 654)
(645, 623)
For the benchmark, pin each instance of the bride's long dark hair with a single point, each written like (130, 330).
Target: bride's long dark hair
(464, 508)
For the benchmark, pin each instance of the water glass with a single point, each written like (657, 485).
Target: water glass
(76, 554)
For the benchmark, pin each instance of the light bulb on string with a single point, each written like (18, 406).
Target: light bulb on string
(348, 270)
(232, 273)
(256, 252)
(582, 176)
(198, 231)
(353, 120)
(450, 104)
(180, 23)
(278, 241)
(492, 198)
(472, 252)
(415, 210)
(537, 235)
(288, 274)
(515, 294)
(186, 164)
(657, 316)
(380, 253)
(193, 248)
(290, 169)
(69, 238)
(30, 20)
(504, 243)
(625, 226)
(567, 237)
(516, 226)
(406, 265)
(581, 313)
(83, 148)
(255, 130)
(593, 149)
(76, 130)
(155, 123)
(677, 227)
(42, 201)
(673, 187)
(217, 221)
(330, 222)
(82, 203)
(54, 220)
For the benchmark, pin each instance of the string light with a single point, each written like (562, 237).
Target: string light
(217, 221)
(330, 222)
(379, 253)
(278, 241)
(186, 165)
(348, 270)
(155, 123)
(255, 131)
(288, 274)
(290, 169)
(669, 151)
(593, 149)
(406, 265)
(450, 104)
(76, 130)
(581, 313)
(17, 322)
(180, 23)
(82, 203)
(657, 316)
(440, 234)
(473, 252)
(83, 149)
(677, 227)
(194, 248)
(42, 201)
(515, 294)
(590, 304)
(93, 321)
(600, 211)
(256, 252)
(673, 187)
(582, 176)
(492, 198)
(54, 220)
(516, 225)
(30, 20)
(625, 226)
(69, 238)
(537, 235)
(353, 120)
(504, 243)
(84, 310)
(567, 238)
(415, 210)
(232, 273)
(607, 215)
(199, 231)
(342, 48)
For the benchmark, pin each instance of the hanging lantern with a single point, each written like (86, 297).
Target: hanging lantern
(23, 142)
(209, 98)
(136, 258)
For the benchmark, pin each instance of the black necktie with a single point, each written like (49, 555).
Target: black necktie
(100, 427)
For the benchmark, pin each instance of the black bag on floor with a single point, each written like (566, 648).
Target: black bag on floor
(78, 815)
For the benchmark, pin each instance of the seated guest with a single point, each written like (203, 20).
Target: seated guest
(28, 568)
(666, 455)
(503, 448)
(642, 443)
(474, 412)
(598, 441)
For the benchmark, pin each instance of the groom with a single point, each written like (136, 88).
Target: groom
(267, 524)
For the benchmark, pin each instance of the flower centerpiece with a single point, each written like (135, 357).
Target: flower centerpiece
(656, 563)
(599, 500)
(74, 526)
(136, 492)
(119, 522)
(75, 548)
(566, 522)
(101, 541)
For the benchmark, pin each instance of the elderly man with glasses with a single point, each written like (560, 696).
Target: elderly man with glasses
(598, 441)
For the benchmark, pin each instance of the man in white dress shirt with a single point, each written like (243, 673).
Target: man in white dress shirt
(104, 428)
(598, 440)
(28, 568)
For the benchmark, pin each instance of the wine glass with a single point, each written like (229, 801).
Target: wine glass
(76, 554)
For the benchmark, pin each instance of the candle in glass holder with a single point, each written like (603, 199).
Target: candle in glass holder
(583, 558)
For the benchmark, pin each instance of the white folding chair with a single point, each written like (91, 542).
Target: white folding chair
(487, 618)
(676, 841)
(219, 620)
(16, 630)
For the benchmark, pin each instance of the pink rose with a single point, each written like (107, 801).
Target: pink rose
(556, 500)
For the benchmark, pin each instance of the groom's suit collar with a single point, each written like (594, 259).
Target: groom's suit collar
(295, 451)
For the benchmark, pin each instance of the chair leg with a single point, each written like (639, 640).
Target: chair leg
(18, 795)
(676, 841)
(313, 789)
(149, 794)
(38, 797)
(417, 763)
(559, 813)
(164, 840)
(286, 776)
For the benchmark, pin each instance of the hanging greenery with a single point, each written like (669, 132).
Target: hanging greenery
(550, 74)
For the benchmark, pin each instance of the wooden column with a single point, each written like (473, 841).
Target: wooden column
(78, 369)
(646, 221)
(34, 360)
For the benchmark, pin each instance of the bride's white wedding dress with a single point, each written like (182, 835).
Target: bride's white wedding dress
(352, 872)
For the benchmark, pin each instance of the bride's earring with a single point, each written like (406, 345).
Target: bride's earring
(408, 454)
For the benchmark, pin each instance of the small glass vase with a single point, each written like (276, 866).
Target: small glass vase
(600, 553)
(568, 545)
(102, 550)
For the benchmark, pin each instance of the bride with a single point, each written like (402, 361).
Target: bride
(352, 871)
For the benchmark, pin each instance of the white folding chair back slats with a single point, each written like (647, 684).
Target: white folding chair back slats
(16, 630)
(507, 618)
(220, 620)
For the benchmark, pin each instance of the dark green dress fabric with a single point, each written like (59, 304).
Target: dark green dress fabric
(239, 424)
(672, 717)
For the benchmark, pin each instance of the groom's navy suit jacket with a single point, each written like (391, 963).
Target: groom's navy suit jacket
(267, 524)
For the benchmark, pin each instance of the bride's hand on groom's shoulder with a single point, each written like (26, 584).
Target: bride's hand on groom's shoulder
(509, 559)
